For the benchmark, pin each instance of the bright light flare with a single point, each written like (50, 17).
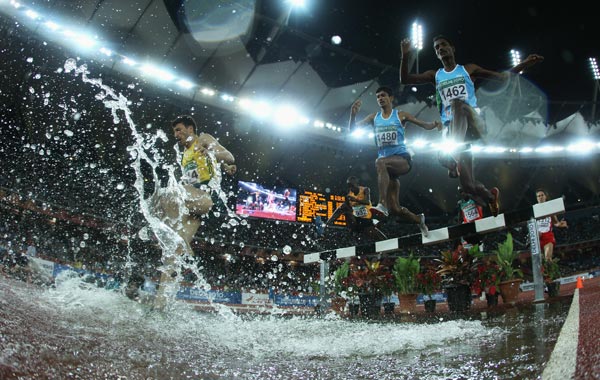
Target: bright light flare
(156, 72)
(297, 3)
(185, 84)
(358, 132)
(32, 15)
(286, 116)
(581, 147)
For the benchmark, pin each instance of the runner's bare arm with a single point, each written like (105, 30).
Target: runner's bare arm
(406, 117)
(353, 111)
(209, 143)
(408, 78)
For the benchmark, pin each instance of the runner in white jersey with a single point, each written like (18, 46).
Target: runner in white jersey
(393, 159)
(458, 108)
(547, 240)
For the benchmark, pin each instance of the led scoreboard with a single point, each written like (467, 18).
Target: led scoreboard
(312, 204)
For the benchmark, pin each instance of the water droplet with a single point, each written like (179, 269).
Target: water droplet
(143, 234)
(82, 244)
(70, 65)
(86, 236)
(294, 236)
(242, 245)
(29, 59)
(68, 133)
(287, 250)
(274, 258)
(120, 186)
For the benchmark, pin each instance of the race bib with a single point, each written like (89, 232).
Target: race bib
(453, 89)
(387, 137)
(471, 213)
(190, 174)
(544, 224)
(360, 211)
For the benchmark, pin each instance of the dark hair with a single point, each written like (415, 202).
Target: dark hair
(542, 190)
(352, 179)
(385, 89)
(442, 37)
(186, 120)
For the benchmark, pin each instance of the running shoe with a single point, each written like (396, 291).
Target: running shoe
(377, 214)
(423, 226)
(382, 209)
(495, 202)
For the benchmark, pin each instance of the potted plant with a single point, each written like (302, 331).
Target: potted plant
(551, 272)
(369, 279)
(487, 281)
(457, 269)
(387, 290)
(340, 291)
(429, 282)
(405, 273)
(510, 276)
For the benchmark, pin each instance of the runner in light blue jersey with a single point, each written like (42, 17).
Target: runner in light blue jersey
(455, 94)
(393, 159)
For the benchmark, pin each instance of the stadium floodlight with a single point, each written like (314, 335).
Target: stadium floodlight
(208, 91)
(128, 61)
(358, 132)
(417, 35)
(594, 67)
(107, 52)
(286, 116)
(185, 84)
(52, 25)
(596, 74)
(420, 143)
(515, 57)
(417, 40)
(32, 15)
(156, 73)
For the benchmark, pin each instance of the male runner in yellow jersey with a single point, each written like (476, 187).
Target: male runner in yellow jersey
(358, 211)
(200, 177)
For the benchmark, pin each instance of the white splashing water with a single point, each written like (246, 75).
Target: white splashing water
(144, 149)
(267, 336)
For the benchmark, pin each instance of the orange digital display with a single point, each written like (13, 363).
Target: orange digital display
(312, 204)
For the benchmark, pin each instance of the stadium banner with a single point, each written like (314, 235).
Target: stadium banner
(287, 300)
(194, 294)
(256, 299)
